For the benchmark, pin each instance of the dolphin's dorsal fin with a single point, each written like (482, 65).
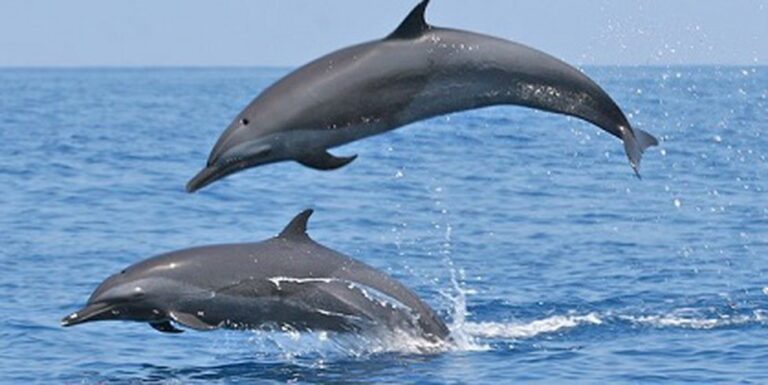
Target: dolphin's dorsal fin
(297, 229)
(414, 24)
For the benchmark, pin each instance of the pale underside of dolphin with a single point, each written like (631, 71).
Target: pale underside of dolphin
(289, 281)
(417, 72)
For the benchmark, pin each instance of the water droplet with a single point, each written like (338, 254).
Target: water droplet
(765, 290)
(718, 139)
(678, 203)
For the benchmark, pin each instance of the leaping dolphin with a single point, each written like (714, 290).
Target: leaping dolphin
(417, 72)
(288, 281)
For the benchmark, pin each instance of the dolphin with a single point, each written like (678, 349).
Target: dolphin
(289, 281)
(417, 72)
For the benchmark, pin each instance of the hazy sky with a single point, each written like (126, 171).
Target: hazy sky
(292, 32)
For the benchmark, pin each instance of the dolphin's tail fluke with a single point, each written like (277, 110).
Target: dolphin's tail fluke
(636, 141)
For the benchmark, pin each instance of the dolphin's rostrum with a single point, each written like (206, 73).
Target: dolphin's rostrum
(417, 72)
(287, 281)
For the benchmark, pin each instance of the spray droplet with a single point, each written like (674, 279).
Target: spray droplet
(678, 203)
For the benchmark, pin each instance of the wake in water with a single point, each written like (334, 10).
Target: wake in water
(467, 335)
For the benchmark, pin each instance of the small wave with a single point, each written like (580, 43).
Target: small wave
(682, 320)
(528, 330)
(468, 335)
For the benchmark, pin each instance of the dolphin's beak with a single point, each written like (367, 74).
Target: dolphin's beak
(217, 171)
(87, 314)
(205, 177)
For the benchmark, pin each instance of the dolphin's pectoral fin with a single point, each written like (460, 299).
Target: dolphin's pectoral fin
(325, 161)
(165, 327)
(191, 321)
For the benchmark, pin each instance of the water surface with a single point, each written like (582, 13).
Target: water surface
(528, 231)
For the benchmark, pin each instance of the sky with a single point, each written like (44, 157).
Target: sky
(288, 33)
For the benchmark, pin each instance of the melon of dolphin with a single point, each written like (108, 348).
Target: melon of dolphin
(417, 72)
(288, 281)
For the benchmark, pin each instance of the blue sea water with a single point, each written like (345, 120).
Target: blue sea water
(527, 231)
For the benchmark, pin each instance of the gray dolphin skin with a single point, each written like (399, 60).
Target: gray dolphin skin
(417, 72)
(289, 281)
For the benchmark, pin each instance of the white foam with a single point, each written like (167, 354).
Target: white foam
(690, 322)
(474, 336)
(531, 329)
(401, 341)
(672, 321)
(467, 335)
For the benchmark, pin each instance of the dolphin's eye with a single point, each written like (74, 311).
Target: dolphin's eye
(244, 121)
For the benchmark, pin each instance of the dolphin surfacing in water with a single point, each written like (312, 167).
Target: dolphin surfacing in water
(417, 72)
(287, 281)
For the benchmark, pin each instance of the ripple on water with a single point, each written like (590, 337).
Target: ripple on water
(568, 260)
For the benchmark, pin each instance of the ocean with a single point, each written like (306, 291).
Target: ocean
(527, 231)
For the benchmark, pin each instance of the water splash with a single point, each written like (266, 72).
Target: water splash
(463, 339)
(475, 336)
